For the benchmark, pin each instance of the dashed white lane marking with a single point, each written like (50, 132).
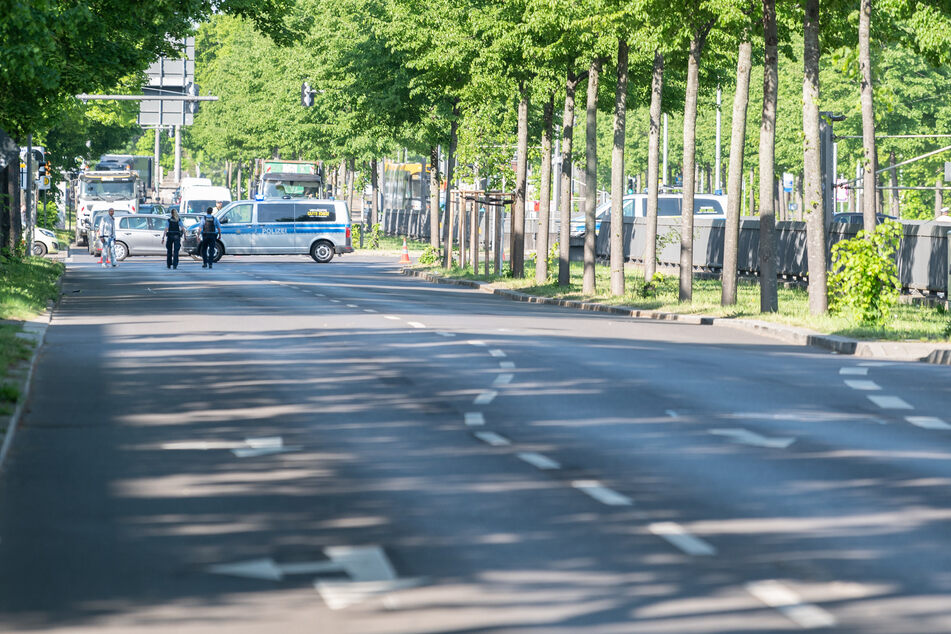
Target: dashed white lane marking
(679, 537)
(927, 422)
(474, 419)
(538, 461)
(352, 306)
(445, 334)
(486, 397)
(601, 493)
(335, 301)
(503, 379)
(416, 324)
(495, 352)
(778, 595)
(391, 317)
(475, 342)
(506, 365)
(889, 402)
(866, 386)
(320, 295)
(492, 438)
(877, 364)
(368, 310)
(854, 371)
(671, 413)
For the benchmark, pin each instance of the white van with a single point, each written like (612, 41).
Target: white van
(196, 199)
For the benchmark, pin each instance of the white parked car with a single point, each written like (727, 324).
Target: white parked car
(44, 241)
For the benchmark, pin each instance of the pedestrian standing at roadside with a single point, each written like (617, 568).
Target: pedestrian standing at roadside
(107, 236)
(174, 234)
(210, 232)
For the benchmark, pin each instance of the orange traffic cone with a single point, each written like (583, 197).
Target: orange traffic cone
(404, 258)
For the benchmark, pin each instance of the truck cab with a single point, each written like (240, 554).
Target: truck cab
(100, 190)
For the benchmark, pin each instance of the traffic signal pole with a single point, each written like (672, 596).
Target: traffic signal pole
(28, 232)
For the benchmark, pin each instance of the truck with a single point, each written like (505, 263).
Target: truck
(102, 189)
(143, 165)
(278, 178)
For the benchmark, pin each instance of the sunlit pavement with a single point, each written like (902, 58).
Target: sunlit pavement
(275, 445)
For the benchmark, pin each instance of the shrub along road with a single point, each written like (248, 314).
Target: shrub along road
(276, 445)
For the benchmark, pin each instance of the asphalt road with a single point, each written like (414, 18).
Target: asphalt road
(280, 446)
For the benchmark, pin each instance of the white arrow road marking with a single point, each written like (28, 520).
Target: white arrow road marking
(506, 365)
(889, 402)
(868, 386)
(495, 352)
(854, 371)
(928, 422)
(539, 461)
(778, 595)
(679, 537)
(747, 437)
(503, 379)
(416, 324)
(492, 438)
(601, 493)
(474, 419)
(486, 397)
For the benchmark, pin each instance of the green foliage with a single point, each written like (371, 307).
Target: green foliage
(648, 288)
(374, 237)
(864, 284)
(355, 232)
(429, 256)
(47, 217)
(554, 259)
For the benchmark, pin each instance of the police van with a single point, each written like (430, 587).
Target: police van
(320, 228)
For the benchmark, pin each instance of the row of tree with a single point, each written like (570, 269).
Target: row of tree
(486, 80)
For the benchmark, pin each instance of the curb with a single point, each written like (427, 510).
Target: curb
(789, 334)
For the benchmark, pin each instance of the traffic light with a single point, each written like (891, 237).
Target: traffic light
(191, 90)
(43, 175)
(630, 185)
(306, 95)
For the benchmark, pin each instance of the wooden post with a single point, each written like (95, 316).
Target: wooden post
(487, 234)
(474, 233)
(498, 238)
(450, 203)
(461, 211)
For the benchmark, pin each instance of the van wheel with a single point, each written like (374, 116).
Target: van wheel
(39, 249)
(219, 250)
(322, 251)
(122, 251)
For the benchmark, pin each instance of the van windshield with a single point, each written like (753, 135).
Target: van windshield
(198, 206)
(107, 189)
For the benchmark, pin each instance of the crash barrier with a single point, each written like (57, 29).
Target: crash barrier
(922, 256)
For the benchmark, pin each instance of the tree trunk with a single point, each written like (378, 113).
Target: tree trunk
(351, 167)
(768, 300)
(690, 157)
(815, 215)
(617, 173)
(653, 160)
(868, 120)
(450, 167)
(434, 197)
(521, 168)
(375, 191)
(590, 176)
(893, 207)
(544, 206)
(734, 191)
(240, 169)
(939, 197)
(567, 132)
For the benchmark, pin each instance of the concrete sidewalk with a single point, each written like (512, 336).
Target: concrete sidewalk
(892, 350)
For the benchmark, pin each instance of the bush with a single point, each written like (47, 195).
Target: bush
(355, 232)
(553, 261)
(864, 284)
(374, 237)
(429, 256)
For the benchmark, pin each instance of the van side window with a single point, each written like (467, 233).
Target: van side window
(275, 212)
(629, 208)
(237, 214)
(316, 212)
(668, 206)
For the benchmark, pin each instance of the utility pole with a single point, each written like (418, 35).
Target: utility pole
(157, 171)
(28, 238)
(178, 154)
(717, 188)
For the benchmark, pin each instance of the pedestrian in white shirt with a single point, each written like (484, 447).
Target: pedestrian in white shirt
(107, 235)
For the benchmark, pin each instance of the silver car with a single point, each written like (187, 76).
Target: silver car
(140, 234)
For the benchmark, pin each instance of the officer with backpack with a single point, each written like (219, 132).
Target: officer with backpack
(174, 234)
(210, 232)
